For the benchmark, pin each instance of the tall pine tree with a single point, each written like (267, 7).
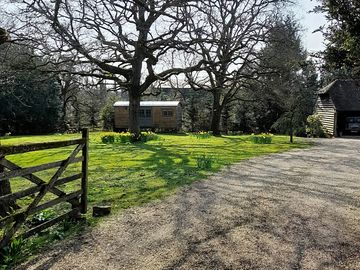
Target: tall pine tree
(342, 53)
(289, 81)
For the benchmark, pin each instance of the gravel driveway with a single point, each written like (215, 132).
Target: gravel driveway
(295, 210)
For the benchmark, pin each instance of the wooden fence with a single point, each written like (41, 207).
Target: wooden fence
(15, 220)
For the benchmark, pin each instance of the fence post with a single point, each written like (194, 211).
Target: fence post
(84, 170)
(4, 190)
(8, 207)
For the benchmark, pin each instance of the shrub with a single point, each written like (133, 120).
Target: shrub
(11, 254)
(204, 162)
(108, 138)
(263, 138)
(314, 127)
(42, 217)
(202, 135)
(126, 137)
(148, 136)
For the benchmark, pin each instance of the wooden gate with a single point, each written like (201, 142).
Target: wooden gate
(13, 221)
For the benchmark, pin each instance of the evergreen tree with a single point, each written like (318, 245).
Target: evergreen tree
(342, 54)
(289, 83)
(29, 98)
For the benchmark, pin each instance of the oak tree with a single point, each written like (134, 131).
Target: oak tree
(230, 33)
(129, 42)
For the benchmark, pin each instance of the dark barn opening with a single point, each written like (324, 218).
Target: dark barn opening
(338, 104)
(348, 123)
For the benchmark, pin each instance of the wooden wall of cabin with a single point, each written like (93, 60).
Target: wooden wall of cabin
(165, 122)
(325, 108)
(158, 118)
(121, 117)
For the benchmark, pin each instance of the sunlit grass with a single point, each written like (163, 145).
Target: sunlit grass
(125, 175)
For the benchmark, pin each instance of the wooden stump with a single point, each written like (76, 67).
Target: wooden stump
(100, 211)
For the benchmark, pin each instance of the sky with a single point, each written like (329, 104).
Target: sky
(313, 42)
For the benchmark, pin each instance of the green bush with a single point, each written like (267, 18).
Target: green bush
(148, 136)
(42, 217)
(202, 135)
(204, 162)
(314, 127)
(263, 138)
(11, 254)
(126, 137)
(108, 138)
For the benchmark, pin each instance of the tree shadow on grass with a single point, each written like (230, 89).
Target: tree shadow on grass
(153, 176)
(173, 166)
(252, 212)
(160, 170)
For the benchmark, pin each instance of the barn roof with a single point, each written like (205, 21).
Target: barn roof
(149, 104)
(345, 94)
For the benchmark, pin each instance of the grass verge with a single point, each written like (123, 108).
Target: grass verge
(127, 175)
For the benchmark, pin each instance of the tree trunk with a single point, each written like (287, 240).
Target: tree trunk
(192, 114)
(225, 120)
(216, 115)
(5, 188)
(291, 129)
(77, 116)
(134, 112)
(63, 117)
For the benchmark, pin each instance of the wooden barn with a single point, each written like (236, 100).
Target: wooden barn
(156, 115)
(339, 105)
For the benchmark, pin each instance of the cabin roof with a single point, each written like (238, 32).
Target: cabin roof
(345, 94)
(149, 104)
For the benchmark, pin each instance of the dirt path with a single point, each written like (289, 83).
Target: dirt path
(296, 210)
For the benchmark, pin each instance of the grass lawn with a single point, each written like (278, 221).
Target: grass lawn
(125, 175)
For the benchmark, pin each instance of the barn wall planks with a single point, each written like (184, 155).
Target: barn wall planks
(325, 108)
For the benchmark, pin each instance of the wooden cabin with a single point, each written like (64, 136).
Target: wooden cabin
(155, 115)
(338, 104)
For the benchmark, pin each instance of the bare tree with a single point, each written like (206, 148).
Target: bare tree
(69, 87)
(124, 41)
(230, 32)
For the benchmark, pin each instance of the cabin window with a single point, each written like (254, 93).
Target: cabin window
(145, 113)
(148, 113)
(167, 113)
